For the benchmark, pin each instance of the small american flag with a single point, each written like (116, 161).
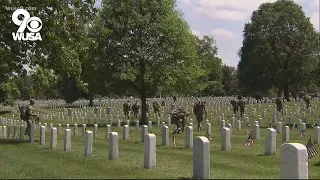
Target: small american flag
(312, 151)
(249, 141)
(303, 133)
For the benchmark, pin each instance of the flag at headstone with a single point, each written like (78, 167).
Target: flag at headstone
(209, 137)
(312, 151)
(249, 141)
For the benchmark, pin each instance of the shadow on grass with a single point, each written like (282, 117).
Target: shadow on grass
(184, 178)
(13, 142)
(317, 164)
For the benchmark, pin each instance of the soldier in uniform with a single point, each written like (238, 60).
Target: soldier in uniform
(241, 104)
(135, 109)
(307, 99)
(235, 106)
(126, 108)
(279, 103)
(156, 107)
(29, 115)
(199, 108)
(179, 117)
(147, 106)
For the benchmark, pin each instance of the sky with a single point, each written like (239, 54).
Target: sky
(225, 19)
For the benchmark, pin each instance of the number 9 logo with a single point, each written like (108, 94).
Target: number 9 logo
(34, 24)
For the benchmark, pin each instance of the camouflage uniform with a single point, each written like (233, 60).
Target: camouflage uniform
(147, 107)
(279, 105)
(199, 109)
(135, 109)
(307, 99)
(126, 109)
(156, 108)
(179, 117)
(28, 116)
(235, 106)
(241, 104)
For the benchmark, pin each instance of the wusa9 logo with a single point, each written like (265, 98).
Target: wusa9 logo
(34, 25)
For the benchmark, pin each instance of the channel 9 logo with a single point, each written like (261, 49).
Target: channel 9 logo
(34, 25)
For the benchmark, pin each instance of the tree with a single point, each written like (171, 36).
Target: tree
(229, 80)
(61, 35)
(279, 48)
(148, 46)
(211, 64)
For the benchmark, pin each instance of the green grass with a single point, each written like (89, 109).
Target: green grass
(20, 159)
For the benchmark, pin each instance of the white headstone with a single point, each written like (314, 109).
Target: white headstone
(113, 146)
(201, 158)
(293, 161)
(31, 133)
(271, 139)
(53, 143)
(125, 132)
(22, 131)
(225, 139)
(150, 151)
(256, 132)
(189, 137)
(67, 140)
(165, 135)
(88, 143)
(108, 129)
(42, 135)
(144, 131)
(285, 134)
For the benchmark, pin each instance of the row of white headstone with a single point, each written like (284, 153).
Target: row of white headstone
(294, 153)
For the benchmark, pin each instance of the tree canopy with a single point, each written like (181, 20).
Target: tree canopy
(280, 48)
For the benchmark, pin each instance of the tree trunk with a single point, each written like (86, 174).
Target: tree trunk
(143, 98)
(286, 91)
(90, 100)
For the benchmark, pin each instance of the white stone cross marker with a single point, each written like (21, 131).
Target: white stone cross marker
(293, 161)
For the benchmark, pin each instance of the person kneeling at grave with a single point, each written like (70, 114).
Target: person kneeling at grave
(179, 117)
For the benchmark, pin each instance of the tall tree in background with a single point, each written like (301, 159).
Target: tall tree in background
(60, 48)
(207, 51)
(279, 48)
(229, 80)
(147, 45)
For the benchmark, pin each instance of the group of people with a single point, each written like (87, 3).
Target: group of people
(236, 104)
(127, 108)
(178, 115)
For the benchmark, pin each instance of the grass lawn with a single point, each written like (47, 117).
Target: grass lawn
(20, 159)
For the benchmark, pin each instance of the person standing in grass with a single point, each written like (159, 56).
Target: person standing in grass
(29, 115)
(241, 104)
